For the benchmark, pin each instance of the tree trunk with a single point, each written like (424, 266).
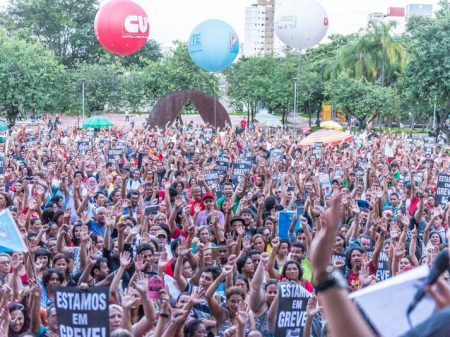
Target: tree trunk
(442, 126)
(11, 116)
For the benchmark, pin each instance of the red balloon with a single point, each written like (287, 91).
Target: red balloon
(121, 27)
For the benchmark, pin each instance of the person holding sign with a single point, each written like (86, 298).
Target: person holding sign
(292, 270)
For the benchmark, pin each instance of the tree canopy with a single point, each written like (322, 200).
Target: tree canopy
(369, 74)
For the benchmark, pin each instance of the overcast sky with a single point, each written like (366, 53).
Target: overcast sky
(174, 19)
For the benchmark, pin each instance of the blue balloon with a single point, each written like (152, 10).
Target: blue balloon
(213, 45)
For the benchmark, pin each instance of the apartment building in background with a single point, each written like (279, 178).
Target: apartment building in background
(401, 15)
(259, 28)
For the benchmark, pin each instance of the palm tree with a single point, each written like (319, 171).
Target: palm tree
(376, 56)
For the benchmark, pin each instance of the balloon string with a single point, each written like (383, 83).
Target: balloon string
(215, 108)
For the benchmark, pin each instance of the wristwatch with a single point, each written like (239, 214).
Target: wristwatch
(334, 279)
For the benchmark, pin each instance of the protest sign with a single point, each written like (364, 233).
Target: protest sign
(317, 150)
(212, 179)
(428, 145)
(276, 154)
(383, 270)
(82, 312)
(113, 153)
(83, 146)
(385, 303)
(291, 315)
(2, 162)
(325, 183)
(443, 189)
(284, 221)
(10, 237)
(207, 133)
(240, 168)
(222, 164)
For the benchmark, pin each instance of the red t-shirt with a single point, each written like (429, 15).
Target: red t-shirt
(243, 123)
(193, 203)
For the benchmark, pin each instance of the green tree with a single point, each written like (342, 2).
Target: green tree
(30, 79)
(376, 55)
(428, 72)
(182, 73)
(150, 52)
(360, 99)
(65, 27)
(101, 87)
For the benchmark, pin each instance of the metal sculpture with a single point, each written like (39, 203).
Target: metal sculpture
(169, 108)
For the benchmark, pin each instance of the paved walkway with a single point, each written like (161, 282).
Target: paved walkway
(119, 119)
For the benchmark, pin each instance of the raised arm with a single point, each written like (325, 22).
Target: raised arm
(257, 297)
(342, 315)
(180, 280)
(272, 257)
(217, 311)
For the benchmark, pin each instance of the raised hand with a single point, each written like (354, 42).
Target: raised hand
(243, 313)
(182, 249)
(139, 263)
(125, 259)
(240, 230)
(322, 245)
(129, 301)
(275, 243)
(227, 270)
(232, 259)
(311, 307)
(365, 278)
(264, 259)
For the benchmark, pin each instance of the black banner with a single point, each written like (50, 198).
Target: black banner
(222, 164)
(82, 312)
(212, 179)
(443, 189)
(113, 153)
(291, 316)
(240, 168)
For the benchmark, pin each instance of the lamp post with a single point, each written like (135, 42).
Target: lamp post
(434, 116)
(295, 99)
(82, 96)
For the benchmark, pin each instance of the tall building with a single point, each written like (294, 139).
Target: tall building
(259, 28)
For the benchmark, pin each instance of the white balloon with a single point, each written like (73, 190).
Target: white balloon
(300, 23)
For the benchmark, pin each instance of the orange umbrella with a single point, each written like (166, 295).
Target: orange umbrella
(327, 137)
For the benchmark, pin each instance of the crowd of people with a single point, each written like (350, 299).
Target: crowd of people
(166, 211)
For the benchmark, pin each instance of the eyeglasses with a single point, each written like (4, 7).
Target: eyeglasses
(5, 263)
(201, 332)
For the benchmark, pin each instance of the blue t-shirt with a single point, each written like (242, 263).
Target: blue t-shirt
(94, 227)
